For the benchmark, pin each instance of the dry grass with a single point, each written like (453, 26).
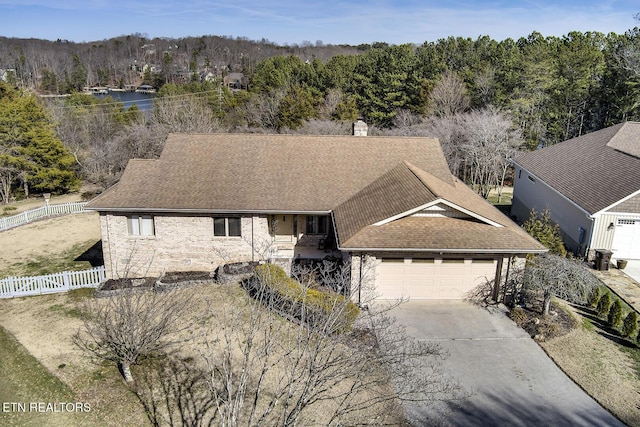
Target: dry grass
(43, 325)
(100, 384)
(599, 362)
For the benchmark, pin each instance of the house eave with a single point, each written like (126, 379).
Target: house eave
(611, 206)
(210, 211)
(449, 251)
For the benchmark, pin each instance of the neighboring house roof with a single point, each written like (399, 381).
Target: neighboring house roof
(379, 189)
(263, 173)
(595, 170)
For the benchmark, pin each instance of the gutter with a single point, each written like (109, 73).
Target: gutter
(448, 251)
(207, 211)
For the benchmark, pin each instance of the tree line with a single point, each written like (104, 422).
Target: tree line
(482, 98)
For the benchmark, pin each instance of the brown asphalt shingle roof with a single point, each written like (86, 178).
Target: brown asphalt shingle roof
(443, 235)
(261, 173)
(406, 188)
(594, 170)
(363, 180)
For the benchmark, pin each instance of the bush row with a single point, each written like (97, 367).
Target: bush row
(610, 308)
(329, 310)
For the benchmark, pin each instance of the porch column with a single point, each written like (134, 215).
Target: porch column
(498, 279)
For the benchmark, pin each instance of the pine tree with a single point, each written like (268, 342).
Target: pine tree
(544, 230)
(30, 152)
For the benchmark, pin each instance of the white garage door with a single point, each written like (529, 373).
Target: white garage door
(431, 278)
(626, 240)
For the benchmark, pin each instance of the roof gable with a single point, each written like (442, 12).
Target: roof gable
(409, 208)
(595, 170)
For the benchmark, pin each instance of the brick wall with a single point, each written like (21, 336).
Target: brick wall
(180, 243)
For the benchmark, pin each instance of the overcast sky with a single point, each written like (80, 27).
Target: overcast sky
(330, 21)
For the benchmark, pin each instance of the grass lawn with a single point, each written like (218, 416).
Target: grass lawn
(24, 382)
(596, 358)
(50, 263)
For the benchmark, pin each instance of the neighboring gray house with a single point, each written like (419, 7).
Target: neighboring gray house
(591, 186)
(388, 205)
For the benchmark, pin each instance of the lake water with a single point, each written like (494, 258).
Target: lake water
(143, 100)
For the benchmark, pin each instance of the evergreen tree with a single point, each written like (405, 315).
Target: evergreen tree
(29, 148)
(615, 314)
(544, 230)
(604, 304)
(630, 324)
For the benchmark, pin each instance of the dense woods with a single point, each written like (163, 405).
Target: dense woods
(482, 98)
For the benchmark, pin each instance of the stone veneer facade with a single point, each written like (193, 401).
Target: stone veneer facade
(180, 243)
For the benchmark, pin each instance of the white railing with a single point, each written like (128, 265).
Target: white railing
(51, 283)
(34, 214)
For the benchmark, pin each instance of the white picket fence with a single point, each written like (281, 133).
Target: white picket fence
(34, 214)
(51, 283)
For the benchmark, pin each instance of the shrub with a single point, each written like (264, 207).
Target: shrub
(615, 314)
(630, 324)
(8, 209)
(519, 316)
(604, 304)
(594, 297)
(291, 292)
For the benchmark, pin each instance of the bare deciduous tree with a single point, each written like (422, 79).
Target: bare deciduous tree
(131, 325)
(559, 276)
(265, 370)
(491, 139)
(268, 363)
(184, 113)
(449, 95)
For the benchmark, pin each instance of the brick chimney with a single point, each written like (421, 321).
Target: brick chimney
(359, 128)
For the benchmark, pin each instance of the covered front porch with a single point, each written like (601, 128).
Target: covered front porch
(301, 236)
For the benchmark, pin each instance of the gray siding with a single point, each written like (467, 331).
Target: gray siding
(530, 192)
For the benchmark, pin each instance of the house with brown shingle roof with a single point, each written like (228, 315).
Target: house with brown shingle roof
(387, 205)
(591, 186)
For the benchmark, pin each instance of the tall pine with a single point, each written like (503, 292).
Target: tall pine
(31, 156)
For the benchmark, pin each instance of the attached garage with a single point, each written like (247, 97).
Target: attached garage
(429, 278)
(626, 240)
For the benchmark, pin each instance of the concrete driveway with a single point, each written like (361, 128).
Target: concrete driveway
(511, 380)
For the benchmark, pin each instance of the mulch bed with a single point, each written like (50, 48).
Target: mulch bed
(544, 327)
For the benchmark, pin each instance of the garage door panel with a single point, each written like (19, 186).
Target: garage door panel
(626, 240)
(452, 279)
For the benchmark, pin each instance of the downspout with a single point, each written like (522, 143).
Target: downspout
(252, 242)
(360, 281)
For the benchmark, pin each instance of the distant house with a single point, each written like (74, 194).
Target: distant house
(387, 205)
(236, 81)
(7, 75)
(591, 186)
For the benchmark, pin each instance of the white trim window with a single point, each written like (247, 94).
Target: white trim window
(141, 225)
(227, 227)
